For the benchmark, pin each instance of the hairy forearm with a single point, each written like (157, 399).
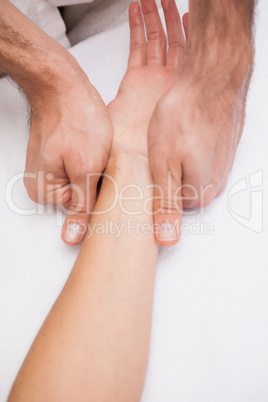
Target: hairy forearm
(221, 18)
(33, 59)
(94, 343)
(220, 35)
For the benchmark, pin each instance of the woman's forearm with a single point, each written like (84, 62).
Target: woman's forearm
(94, 344)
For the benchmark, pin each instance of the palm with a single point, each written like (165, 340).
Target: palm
(134, 104)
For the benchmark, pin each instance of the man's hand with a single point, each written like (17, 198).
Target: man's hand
(196, 127)
(71, 132)
(68, 150)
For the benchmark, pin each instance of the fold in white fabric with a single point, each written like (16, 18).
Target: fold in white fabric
(85, 20)
(60, 3)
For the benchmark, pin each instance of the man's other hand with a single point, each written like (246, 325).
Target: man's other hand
(68, 149)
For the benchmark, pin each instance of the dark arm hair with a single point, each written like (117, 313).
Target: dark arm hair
(220, 37)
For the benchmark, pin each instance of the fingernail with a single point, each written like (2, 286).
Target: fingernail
(74, 232)
(168, 232)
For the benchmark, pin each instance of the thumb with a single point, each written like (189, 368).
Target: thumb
(82, 202)
(167, 205)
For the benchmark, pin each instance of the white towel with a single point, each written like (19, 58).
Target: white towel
(85, 20)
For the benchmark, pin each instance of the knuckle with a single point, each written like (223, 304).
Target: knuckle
(156, 36)
(208, 199)
(177, 44)
(222, 189)
(167, 207)
(137, 44)
(167, 105)
(77, 207)
(190, 196)
(78, 172)
(83, 167)
(47, 157)
(158, 158)
(36, 188)
(207, 196)
(97, 162)
(32, 190)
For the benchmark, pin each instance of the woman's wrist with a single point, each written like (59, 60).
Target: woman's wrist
(127, 190)
(126, 167)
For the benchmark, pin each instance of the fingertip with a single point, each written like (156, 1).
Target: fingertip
(166, 4)
(135, 16)
(73, 232)
(168, 232)
(137, 56)
(134, 7)
(166, 243)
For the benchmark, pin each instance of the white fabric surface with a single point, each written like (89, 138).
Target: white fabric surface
(59, 3)
(210, 321)
(85, 20)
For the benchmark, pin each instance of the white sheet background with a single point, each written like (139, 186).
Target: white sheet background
(210, 323)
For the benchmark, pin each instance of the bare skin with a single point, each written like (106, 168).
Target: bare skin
(71, 131)
(94, 344)
(197, 125)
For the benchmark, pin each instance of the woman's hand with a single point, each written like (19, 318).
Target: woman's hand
(152, 71)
